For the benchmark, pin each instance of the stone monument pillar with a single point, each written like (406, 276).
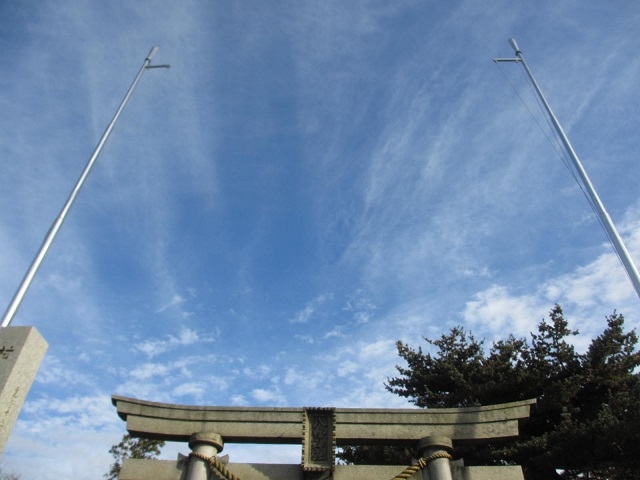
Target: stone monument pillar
(21, 351)
(439, 468)
(205, 444)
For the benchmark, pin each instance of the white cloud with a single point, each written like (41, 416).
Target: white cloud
(304, 315)
(174, 302)
(362, 308)
(308, 379)
(252, 453)
(495, 311)
(54, 446)
(171, 381)
(602, 280)
(362, 317)
(347, 368)
(144, 391)
(192, 389)
(185, 337)
(260, 371)
(363, 396)
(54, 371)
(336, 332)
(305, 338)
(88, 412)
(273, 396)
(149, 370)
(239, 400)
(599, 286)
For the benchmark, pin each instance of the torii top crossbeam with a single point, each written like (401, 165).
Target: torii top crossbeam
(353, 426)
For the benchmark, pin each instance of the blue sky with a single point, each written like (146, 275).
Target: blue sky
(307, 184)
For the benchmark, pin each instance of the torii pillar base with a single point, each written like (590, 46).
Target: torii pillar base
(21, 352)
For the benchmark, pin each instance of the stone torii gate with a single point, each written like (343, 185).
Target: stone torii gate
(432, 432)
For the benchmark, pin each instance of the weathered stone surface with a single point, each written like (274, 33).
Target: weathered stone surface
(353, 426)
(266, 471)
(21, 352)
(380, 472)
(437, 468)
(173, 470)
(511, 472)
(136, 469)
(319, 441)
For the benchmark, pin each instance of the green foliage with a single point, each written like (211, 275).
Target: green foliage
(587, 420)
(131, 447)
(378, 455)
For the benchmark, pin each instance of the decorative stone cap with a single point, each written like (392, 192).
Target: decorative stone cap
(444, 443)
(206, 438)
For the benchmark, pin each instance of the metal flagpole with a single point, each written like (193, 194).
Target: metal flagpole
(35, 264)
(602, 214)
